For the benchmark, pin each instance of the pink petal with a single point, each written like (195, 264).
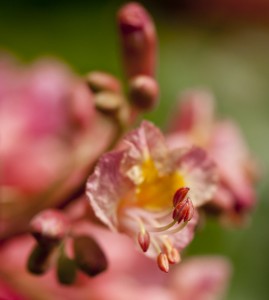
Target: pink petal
(183, 238)
(201, 278)
(146, 142)
(199, 173)
(106, 187)
(194, 114)
(234, 163)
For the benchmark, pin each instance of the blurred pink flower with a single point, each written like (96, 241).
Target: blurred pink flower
(130, 276)
(48, 138)
(201, 278)
(194, 124)
(137, 190)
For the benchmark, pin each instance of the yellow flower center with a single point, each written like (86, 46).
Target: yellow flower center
(156, 192)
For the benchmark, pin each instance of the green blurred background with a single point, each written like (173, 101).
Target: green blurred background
(221, 45)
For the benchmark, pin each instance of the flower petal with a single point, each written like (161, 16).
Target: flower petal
(144, 143)
(106, 186)
(184, 237)
(234, 163)
(199, 173)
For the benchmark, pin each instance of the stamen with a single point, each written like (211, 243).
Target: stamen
(177, 229)
(163, 262)
(163, 228)
(180, 194)
(144, 240)
(173, 256)
(183, 211)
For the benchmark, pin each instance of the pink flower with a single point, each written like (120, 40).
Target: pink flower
(48, 121)
(194, 124)
(148, 192)
(201, 278)
(130, 276)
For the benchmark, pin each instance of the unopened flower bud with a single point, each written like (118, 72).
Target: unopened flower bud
(49, 227)
(89, 257)
(38, 261)
(66, 268)
(108, 102)
(101, 81)
(138, 40)
(163, 262)
(144, 92)
(144, 240)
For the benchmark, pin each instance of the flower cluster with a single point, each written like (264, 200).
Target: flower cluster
(93, 187)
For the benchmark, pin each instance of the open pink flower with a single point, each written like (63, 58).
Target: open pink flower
(149, 192)
(194, 124)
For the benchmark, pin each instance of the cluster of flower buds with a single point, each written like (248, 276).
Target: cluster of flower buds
(57, 245)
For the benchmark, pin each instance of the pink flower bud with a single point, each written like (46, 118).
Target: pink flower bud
(49, 227)
(101, 81)
(108, 102)
(144, 92)
(138, 40)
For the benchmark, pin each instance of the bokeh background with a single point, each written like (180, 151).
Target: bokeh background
(220, 45)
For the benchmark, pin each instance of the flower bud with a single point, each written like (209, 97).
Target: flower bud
(89, 257)
(144, 92)
(49, 227)
(38, 261)
(101, 81)
(108, 102)
(138, 40)
(66, 268)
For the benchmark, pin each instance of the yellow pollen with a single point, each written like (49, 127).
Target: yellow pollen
(156, 192)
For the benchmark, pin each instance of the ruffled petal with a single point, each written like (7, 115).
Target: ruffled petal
(199, 173)
(144, 143)
(106, 187)
(235, 164)
(194, 116)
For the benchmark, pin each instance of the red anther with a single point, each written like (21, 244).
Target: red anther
(180, 194)
(190, 211)
(183, 211)
(163, 262)
(144, 240)
(173, 256)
